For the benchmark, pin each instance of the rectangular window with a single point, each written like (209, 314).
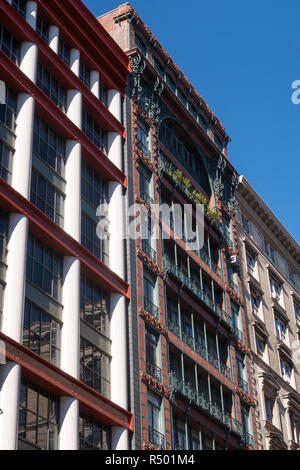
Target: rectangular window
(92, 434)
(49, 146)
(269, 403)
(94, 306)
(181, 95)
(9, 109)
(85, 74)
(281, 329)
(20, 6)
(260, 346)
(202, 122)
(250, 262)
(44, 267)
(149, 284)
(94, 368)
(42, 28)
(275, 289)
(3, 235)
(271, 252)
(154, 421)
(93, 187)
(152, 355)
(44, 196)
(90, 239)
(218, 142)
(9, 44)
(41, 333)
(64, 52)
(171, 82)
(140, 44)
(293, 278)
(143, 135)
(38, 417)
(245, 413)
(286, 370)
(103, 94)
(51, 87)
(192, 110)
(145, 178)
(246, 225)
(297, 311)
(159, 68)
(6, 162)
(94, 132)
(255, 302)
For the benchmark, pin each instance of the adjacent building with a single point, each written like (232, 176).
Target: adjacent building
(63, 289)
(270, 267)
(190, 366)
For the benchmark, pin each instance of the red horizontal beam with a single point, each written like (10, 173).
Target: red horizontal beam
(115, 75)
(95, 42)
(58, 120)
(48, 231)
(58, 382)
(63, 73)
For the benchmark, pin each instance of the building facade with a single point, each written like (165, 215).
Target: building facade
(269, 264)
(63, 289)
(189, 361)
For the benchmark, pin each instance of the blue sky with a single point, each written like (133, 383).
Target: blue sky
(242, 57)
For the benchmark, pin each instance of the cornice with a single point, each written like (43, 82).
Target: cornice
(127, 9)
(247, 193)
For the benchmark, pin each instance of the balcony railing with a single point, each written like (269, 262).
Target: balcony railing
(156, 438)
(248, 439)
(233, 286)
(151, 308)
(180, 181)
(238, 334)
(200, 349)
(194, 287)
(153, 370)
(148, 250)
(228, 241)
(144, 148)
(145, 196)
(200, 400)
(243, 384)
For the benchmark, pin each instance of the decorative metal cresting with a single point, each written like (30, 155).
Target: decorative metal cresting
(221, 165)
(147, 95)
(232, 202)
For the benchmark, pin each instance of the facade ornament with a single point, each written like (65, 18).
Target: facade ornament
(232, 203)
(138, 66)
(221, 165)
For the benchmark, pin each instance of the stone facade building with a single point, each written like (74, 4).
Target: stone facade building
(270, 272)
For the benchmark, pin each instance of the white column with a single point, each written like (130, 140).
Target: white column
(21, 176)
(95, 83)
(28, 62)
(75, 61)
(9, 1)
(13, 305)
(54, 38)
(69, 428)
(10, 375)
(70, 331)
(31, 13)
(74, 107)
(119, 375)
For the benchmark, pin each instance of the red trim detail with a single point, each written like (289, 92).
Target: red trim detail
(59, 121)
(98, 48)
(50, 377)
(47, 230)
